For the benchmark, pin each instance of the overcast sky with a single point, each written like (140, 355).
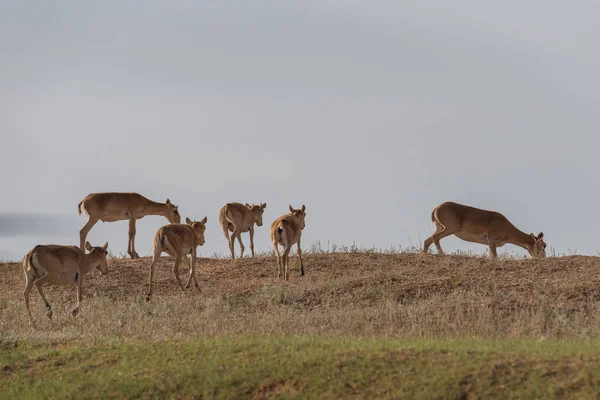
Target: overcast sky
(370, 113)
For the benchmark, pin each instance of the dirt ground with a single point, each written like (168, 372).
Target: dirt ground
(364, 293)
(573, 279)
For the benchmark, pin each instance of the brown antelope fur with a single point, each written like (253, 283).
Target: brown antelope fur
(61, 265)
(287, 231)
(178, 240)
(239, 218)
(111, 207)
(481, 226)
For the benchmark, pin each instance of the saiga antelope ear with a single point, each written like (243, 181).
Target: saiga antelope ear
(88, 246)
(291, 209)
(188, 221)
(105, 245)
(204, 220)
(168, 202)
(303, 208)
(541, 235)
(248, 205)
(263, 206)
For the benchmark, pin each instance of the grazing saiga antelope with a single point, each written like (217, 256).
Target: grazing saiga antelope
(61, 265)
(239, 218)
(481, 226)
(287, 231)
(111, 207)
(178, 240)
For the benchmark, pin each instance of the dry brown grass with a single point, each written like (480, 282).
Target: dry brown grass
(361, 294)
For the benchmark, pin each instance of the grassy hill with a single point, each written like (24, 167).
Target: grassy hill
(387, 325)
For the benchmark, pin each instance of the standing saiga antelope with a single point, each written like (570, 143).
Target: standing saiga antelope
(481, 226)
(111, 207)
(287, 231)
(61, 265)
(239, 218)
(178, 240)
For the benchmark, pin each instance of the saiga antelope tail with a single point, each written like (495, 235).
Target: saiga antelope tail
(435, 220)
(224, 222)
(27, 262)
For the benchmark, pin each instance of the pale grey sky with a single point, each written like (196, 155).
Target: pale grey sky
(370, 113)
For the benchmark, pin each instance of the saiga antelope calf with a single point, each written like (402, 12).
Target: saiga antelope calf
(178, 240)
(61, 265)
(239, 218)
(287, 231)
(111, 207)
(481, 226)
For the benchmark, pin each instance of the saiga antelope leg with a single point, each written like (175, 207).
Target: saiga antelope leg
(79, 295)
(429, 241)
(493, 252)
(438, 236)
(38, 285)
(26, 292)
(85, 230)
(300, 256)
(157, 252)
(131, 245)
(279, 266)
(286, 261)
(176, 270)
(237, 233)
(229, 241)
(252, 241)
(192, 271)
(492, 246)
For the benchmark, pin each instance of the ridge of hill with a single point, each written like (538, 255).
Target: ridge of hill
(359, 294)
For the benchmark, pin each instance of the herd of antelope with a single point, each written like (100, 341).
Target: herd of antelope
(67, 265)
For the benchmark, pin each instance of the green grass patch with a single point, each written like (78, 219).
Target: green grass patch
(302, 367)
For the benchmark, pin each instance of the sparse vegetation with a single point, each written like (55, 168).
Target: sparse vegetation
(417, 324)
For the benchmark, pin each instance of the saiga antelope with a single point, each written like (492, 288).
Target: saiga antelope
(61, 265)
(178, 240)
(287, 231)
(481, 226)
(239, 218)
(111, 207)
